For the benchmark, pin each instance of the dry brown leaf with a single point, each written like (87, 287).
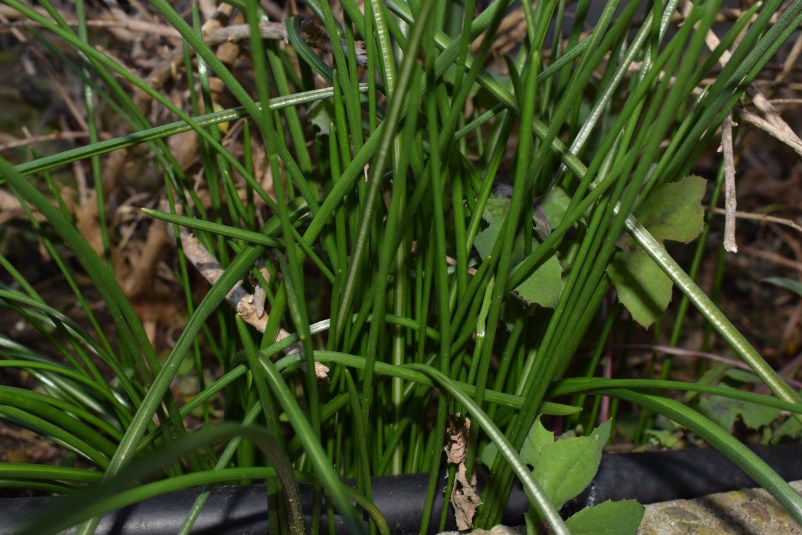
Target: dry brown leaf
(141, 275)
(457, 440)
(465, 499)
(86, 220)
(463, 496)
(184, 147)
(11, 209)
(238, 297)
(322, 373)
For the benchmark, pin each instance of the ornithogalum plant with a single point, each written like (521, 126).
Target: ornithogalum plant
(391, 245)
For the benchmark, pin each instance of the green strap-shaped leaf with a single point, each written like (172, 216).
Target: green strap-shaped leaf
(720, 439)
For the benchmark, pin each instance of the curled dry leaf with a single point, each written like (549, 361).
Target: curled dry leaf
(465, 499)
(322, 373)
(457, 440)
(463, 496)
(247, 305)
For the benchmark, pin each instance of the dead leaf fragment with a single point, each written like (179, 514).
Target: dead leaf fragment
(322, 373)
(463, 496)
(465, 499)
(457, 440)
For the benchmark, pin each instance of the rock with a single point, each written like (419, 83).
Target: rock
(740, 512)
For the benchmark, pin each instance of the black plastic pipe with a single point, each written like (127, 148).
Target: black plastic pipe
(647, 477)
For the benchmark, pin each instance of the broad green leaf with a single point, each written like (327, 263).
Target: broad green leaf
(674, 211)
(488, 455)
(494, 214)
(789, 428)
(788, 284)
(642, 286)
(544, 286)
(601, 435)
(607, 518)
(552, 209)
(724, 411)
(671, 212)
(663, 438)
(566, 467)
(496, 209)
(321, 114)
(538, 438)
(742, 376)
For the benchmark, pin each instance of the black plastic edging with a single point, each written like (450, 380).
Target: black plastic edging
(647, 477)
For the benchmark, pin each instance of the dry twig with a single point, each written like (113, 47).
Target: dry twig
(760, 217)
(730, 201)
(247, 305)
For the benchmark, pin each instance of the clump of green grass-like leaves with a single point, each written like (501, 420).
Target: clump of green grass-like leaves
(385, 249)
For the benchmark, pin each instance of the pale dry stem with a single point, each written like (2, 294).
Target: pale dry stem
(250, 307)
